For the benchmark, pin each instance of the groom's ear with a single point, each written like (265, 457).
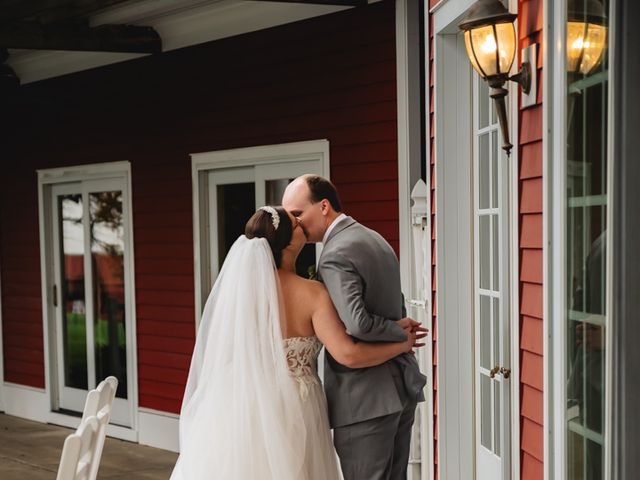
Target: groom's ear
(325, 205)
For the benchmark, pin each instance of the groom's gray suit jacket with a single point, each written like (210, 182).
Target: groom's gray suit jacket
(362, 274)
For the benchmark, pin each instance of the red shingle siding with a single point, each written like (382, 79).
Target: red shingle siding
(530, 24)
(330, 77)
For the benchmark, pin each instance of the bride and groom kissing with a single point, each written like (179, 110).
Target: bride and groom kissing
(254, 406)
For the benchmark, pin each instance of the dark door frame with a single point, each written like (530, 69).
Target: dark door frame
(625, 461)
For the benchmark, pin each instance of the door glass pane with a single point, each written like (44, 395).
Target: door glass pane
(107, 259)
(74, 331)
(497, 414)
(274, 190)
(485, 332)
(484, 102)
(236, 204)
(484, 171)
(495, 152)
(484, 247)
(486, 420)
(585, 250)
(495, 313)
(495, 241)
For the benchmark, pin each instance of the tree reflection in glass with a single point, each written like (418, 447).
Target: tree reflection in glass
(74, 331)
(107, 260)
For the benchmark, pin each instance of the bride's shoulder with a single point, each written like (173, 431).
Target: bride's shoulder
(312, 287)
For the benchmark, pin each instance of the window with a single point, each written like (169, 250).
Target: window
(585, 248)
(231, 185)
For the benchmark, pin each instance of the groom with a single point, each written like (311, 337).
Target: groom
(372, 409)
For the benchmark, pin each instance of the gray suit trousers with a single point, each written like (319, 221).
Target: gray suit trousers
(378, 448)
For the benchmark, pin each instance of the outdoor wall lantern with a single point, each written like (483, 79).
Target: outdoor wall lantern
(490, 38)
(586, 36)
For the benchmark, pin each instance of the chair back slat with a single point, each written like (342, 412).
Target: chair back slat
(82, 450)
(78, 451)
(103, 404)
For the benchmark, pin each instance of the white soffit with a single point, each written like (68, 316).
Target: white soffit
(180, 23)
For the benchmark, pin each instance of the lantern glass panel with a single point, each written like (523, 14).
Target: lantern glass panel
(470, 54)
(491, 48)
(506, 45)
(483, 47)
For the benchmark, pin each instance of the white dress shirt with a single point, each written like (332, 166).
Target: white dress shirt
(337, 220)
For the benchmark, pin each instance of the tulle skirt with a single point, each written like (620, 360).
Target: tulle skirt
(321, 461)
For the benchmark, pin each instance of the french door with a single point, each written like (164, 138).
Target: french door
(90, 261)
(490, 291)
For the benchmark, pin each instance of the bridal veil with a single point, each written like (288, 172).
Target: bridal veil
(241, 417)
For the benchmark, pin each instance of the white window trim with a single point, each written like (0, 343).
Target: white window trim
(554, 238)
(456, 451)
(317, 150)
(409, 135)
(611, 209)
(48, 177)
(409, 157)
(554, 235)
(514, 250)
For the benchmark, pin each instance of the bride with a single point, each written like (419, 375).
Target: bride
(254, 407)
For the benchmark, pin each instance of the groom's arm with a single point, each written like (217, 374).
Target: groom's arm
(346, 290)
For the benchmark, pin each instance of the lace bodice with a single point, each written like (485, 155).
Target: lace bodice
(302, 357)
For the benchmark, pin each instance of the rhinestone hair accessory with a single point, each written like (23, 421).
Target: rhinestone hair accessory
(275, 217)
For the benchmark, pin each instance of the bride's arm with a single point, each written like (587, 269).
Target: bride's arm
(342, 347)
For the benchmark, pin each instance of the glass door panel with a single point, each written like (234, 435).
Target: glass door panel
(108, 287)
(232, 201)
(235, 205)
(89, 272)
(490, 291)
(587, 202)
(70, 209)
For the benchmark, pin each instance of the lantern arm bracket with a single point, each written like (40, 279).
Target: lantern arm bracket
(523, 77)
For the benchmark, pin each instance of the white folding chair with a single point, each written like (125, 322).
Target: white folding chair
(101, 398)
(99, 404)
(78, 450)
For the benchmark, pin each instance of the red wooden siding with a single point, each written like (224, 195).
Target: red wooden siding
(331, 77)
(21, 297)
(530, 21)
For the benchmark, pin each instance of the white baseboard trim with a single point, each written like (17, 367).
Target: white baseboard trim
(158, 429)
(26, 402)
(114, 431)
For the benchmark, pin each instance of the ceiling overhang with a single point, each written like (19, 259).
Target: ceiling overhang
(179, 24)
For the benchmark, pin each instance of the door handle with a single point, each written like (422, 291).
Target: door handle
(493, 371)
(506, 372)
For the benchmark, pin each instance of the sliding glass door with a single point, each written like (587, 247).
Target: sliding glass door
(89, 292)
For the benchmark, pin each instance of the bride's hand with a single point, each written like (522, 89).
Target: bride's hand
(413, 335)
(411, 339)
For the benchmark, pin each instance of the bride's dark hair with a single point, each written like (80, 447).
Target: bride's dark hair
(260, 225)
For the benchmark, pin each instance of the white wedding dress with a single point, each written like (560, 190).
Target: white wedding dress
(253, 408)
(320, 460)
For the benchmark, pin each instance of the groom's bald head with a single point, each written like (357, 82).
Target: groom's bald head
(314, 201)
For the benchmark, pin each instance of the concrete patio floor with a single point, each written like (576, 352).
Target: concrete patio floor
(31, 450)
